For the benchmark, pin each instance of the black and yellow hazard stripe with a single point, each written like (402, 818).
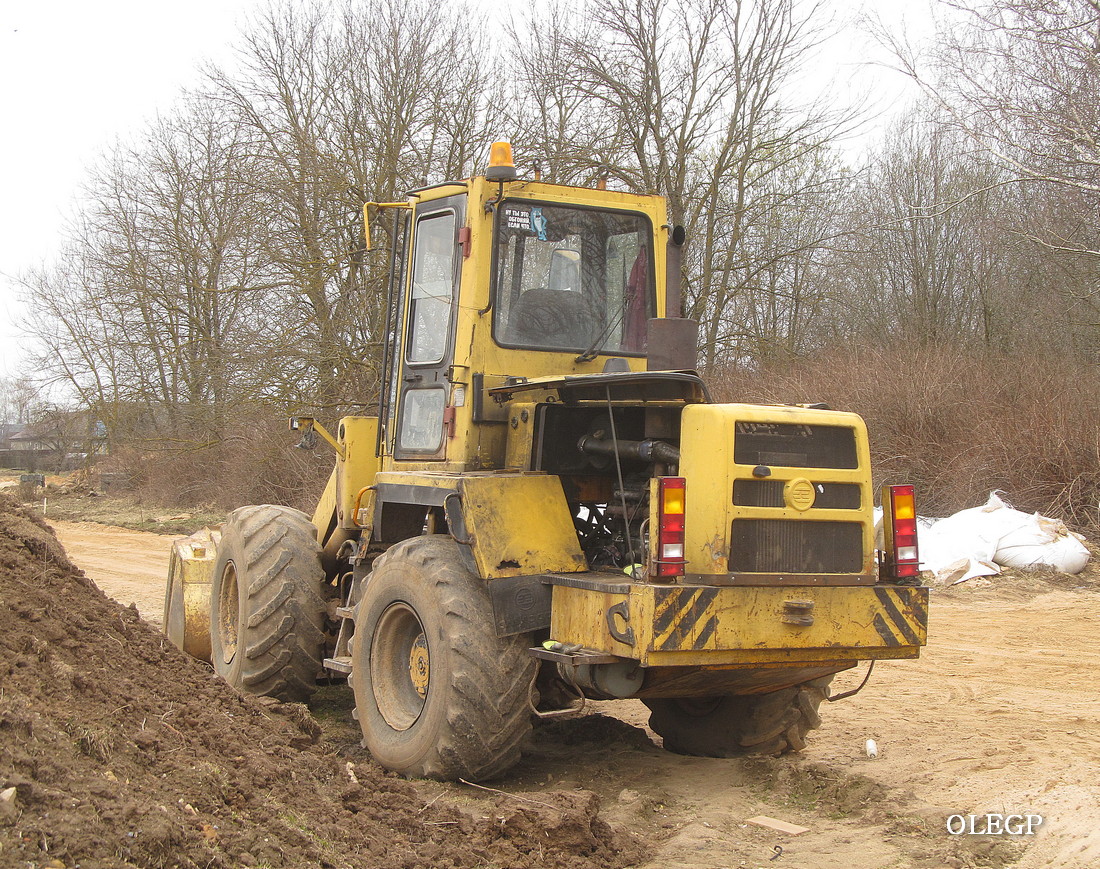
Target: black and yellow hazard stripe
(901, 617)
(682, 614)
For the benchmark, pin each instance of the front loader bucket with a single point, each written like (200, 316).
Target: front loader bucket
(187, 596)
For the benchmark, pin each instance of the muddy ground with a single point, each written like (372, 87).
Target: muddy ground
(116, 750)
(1000, 714)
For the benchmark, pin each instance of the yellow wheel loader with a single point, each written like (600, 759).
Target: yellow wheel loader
(549, 508)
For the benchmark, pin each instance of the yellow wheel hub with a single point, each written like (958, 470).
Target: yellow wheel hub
(418, 665)
(399, 666)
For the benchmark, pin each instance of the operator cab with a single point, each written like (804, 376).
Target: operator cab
(498, 280)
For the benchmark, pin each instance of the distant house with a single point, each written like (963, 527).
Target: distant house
(27, 439)
(7, 430)
(18, 447)
(58, 441)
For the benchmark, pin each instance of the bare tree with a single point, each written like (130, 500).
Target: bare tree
(282, 98)
(150, 309)
(554, 122)
(938, 254)
(916, 252)
(18, 397)
(338, 108)
(1021, 80)
(784, 266)
(411, 109)
(220, 260)
(692, 101)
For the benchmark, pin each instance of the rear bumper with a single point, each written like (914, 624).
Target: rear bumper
(674, 625)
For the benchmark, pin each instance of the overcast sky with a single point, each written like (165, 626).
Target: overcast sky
(77, 76)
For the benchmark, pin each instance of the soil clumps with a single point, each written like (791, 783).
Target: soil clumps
(122, 751)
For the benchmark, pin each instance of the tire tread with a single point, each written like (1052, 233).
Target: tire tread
(282, 631)
(487, 715)
(773, 723)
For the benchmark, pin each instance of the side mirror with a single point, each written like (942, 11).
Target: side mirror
(674, 274)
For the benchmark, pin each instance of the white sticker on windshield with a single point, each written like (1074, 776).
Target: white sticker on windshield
(518, 218)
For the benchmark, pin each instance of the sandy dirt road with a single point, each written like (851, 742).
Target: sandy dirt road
(131, 566)
(1000, 715)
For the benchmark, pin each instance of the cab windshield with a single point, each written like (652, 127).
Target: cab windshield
(575, 279)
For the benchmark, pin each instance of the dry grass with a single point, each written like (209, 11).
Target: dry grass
(257, 463)
(957, 424)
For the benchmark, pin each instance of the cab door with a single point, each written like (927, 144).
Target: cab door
(427, 348)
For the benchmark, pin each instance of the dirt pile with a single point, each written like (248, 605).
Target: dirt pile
(122, 751)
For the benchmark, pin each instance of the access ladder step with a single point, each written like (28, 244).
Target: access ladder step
(574, 656)
(340, 665)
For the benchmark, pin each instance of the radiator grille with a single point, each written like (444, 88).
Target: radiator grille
(769, 493)
(794, 445)
(795, 546)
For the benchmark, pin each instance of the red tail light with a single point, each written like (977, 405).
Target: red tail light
(899, 526)
(670, 526)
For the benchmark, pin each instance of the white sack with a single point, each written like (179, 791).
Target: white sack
(952, 552)
(978, 541)
(959, 547)
(1043, 542)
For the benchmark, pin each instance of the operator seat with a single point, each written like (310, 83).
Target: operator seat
(553, 318)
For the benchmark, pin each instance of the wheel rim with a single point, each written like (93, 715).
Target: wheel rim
(229, 613)
(400, 667)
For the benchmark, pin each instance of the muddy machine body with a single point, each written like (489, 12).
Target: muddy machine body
(549, 508)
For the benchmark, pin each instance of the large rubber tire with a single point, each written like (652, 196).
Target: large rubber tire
(267, 612)
(437, 694)
(732, 725)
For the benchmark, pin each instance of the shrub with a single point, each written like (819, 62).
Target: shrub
(956, 423)
(258, 462)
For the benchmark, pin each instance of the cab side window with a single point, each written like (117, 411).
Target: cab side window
(432, 287)
(430, 301)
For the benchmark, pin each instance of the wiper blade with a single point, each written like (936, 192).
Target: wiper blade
(593, 351)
